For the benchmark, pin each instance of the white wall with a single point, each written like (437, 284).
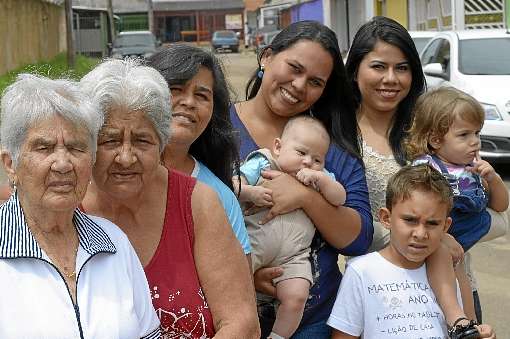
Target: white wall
(338, 22)
(358, 15)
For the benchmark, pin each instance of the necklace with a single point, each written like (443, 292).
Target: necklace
(62, 268)
(72, 274)
(57, 259)
(69, 275)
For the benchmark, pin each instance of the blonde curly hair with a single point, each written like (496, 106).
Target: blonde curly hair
(434, 113)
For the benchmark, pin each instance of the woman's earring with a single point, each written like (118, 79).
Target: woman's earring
(12, 184)
(260, 73)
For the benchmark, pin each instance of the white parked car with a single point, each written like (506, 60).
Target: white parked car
(421, 38)
(478, 63)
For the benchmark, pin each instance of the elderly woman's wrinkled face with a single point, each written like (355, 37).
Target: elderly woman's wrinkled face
(54, 165)
(192, 107)
(127, 154)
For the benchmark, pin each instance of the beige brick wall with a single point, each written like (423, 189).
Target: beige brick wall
(30, 31)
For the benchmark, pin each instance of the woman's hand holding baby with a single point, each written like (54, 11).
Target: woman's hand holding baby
(288, 193)
(259, 196)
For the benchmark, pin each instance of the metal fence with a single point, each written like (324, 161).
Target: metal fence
(437, 14)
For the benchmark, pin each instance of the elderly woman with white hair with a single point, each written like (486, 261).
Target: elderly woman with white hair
(63, 274)
(198, 276)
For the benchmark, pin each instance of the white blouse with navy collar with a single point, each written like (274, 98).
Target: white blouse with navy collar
(113, 298)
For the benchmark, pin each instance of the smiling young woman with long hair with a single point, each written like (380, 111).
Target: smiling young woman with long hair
(301, 72)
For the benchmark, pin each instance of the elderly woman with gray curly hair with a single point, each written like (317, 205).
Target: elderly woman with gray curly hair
(63, 274)
(199, 279)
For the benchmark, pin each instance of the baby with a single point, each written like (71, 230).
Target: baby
(285, 240)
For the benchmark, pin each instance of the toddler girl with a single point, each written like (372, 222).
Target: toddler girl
(446, 134)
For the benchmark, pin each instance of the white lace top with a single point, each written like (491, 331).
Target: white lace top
(378, 169)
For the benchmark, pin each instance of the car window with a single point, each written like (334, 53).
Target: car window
(134, 40)
(485, 56)
(430, 53)
(225, 34)
(420, 43)
(443, 56)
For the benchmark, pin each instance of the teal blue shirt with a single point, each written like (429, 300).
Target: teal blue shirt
(252, 167)
(229, 202)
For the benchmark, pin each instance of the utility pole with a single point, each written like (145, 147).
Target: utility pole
(460, 15)
(109, 8)
(454, 15)
(507, 15)
(68, 7)
(150, 12)
(440, 16)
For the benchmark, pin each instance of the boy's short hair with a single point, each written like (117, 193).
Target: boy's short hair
(418, 178)
(314, 122)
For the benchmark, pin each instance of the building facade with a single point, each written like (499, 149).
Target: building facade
(131, 15)
(467, 14)
(346, 16)
(175, 20)
(196, 20)
(307, 10)
(250, 19)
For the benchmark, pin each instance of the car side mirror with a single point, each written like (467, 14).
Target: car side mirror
(434, 70)
(158, 42)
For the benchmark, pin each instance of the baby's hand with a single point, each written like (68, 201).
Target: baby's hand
(308, 176)
(261, 196)
(483, 168)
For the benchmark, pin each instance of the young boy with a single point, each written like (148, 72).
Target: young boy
(285, 240)
(386, 294)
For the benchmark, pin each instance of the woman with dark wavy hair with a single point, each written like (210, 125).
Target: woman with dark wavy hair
(385, 72)
(301, 72)
(202, 142)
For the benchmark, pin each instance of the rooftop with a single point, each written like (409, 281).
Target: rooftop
(183, 5)
(132, 6)
(119, 6)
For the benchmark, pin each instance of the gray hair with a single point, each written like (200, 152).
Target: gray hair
(32, 98)
(130, 85)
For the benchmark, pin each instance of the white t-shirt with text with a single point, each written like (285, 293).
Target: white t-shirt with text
(379, 300)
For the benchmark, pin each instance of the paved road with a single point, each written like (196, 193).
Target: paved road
(238, 68)
(491, 260)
